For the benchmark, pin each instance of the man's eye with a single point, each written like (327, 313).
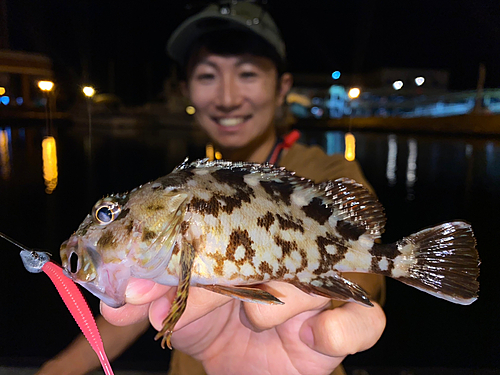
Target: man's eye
(248, 74)
(205, 77)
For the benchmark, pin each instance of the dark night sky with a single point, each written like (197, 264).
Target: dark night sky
(321, 36)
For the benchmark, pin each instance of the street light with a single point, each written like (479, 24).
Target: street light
(397, 85)
(45, 86)
(89, 91)
(419, 81)
(354, 93)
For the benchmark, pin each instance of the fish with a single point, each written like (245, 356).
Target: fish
(229, 226)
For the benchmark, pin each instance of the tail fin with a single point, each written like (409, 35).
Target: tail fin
(441, 261)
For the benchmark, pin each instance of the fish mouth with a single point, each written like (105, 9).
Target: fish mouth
(111, 301)
(105, 281)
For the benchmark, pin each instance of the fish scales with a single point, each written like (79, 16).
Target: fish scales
(253, 225)
(227, 226)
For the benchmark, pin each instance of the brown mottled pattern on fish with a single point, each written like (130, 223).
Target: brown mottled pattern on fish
(249, 223)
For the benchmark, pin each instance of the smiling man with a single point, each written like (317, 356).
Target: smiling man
(232, 62)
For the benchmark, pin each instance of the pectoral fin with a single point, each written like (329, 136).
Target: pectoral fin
(245, 294)
(180, 301)
(335, 287)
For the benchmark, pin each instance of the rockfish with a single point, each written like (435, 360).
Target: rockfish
(227, 226)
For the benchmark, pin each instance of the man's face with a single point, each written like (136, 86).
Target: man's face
(235, 96)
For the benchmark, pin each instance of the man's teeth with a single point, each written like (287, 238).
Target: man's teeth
(231, 121)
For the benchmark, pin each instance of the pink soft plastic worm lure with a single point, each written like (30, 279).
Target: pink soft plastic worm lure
(38, 261)
(76, 304)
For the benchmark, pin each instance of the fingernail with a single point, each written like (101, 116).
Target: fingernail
(306, 335)
(137, 288)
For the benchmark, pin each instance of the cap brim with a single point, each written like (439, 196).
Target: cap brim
(210, 20)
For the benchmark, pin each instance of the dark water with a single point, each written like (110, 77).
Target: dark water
(421, 180)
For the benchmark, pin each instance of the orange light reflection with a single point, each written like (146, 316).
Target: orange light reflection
(4, 155)
(350, 147)
(49, 164)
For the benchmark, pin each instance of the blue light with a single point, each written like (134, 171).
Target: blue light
(336, 74)
(315, 111)
(4, 100)
(19, 101)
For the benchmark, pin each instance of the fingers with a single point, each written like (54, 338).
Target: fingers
(345, 330)
(200, 302)
(124, 315)
(145, 297)
(260, 317)
(138, 296)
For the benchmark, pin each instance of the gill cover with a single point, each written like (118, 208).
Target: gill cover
(153, 259)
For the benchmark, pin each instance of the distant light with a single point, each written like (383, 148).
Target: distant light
(45, 85)
(316, 111)
(218, 155)
(354, 93)
(88, 91)
(5, 100)
(2, 90)
(19, 101)
(397, 85)
(336, 74)
(294, 97)
(350, 147)
(419, 81)
(316, 101)
(190, 110)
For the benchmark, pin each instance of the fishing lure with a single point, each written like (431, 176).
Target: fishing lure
(39, 261)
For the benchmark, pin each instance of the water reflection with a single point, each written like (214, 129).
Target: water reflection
(492, 151)
(49, 153)
(333, 142)
(411, 168)
(457, 178)
(5, 153)
(350, 147)
(392, 153)
(212, 154)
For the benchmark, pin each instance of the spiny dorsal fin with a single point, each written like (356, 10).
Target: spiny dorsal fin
(355, 208)
(355, 205)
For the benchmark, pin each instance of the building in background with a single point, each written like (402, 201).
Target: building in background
(19, 76)
(387, 92)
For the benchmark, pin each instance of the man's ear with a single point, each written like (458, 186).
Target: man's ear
(285, 84)
(184, 89)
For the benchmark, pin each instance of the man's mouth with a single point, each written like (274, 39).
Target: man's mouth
(232, 121)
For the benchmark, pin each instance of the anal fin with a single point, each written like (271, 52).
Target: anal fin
(335, 287)
(245, 294)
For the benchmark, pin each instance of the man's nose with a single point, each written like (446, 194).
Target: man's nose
(229, 95)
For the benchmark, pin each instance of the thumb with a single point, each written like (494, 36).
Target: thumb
(345, 330)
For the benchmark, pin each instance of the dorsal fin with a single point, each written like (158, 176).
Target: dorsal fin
(357, 210)
(355, 206)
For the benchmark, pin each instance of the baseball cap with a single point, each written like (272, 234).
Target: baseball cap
(235, 15)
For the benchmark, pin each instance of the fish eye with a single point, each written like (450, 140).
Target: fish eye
(73, 262)
(105, 212)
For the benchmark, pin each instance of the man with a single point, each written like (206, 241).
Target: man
(232, 61)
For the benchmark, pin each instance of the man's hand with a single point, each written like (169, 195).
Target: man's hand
(303, 336)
